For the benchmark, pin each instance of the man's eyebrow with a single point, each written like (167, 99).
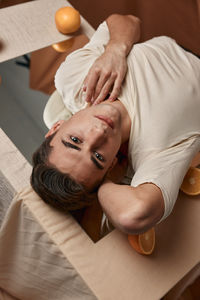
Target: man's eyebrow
(99, 166)
(70, 145)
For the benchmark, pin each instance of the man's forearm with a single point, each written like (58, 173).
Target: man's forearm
(124, 32)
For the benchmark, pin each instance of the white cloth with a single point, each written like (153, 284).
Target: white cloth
(162, 95)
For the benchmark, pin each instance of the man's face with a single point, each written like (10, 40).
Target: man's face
(85, 146)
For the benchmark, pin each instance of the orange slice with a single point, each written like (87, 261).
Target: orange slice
(191, 182)
(143, 243)
(63, 46)
(67, 19)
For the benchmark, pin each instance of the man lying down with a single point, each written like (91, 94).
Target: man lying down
(146, 94)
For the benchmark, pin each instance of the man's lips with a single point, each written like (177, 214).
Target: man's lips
(106, 120)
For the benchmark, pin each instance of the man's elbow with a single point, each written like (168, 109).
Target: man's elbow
(133, 223)
(131, 17)
(135, 19)
(141, 220)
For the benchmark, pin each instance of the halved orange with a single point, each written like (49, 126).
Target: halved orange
(143, 243)
(191, 182)
(63, 46)
(67, 19)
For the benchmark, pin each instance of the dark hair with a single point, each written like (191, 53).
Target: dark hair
(54, 187)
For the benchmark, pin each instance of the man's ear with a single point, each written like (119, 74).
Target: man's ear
(54, 128)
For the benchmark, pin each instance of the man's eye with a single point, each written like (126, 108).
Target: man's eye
(98, 156)
(75, 139)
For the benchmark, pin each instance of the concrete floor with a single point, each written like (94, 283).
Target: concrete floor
(21, 109)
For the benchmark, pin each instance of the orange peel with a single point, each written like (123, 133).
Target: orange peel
(67, 19)
(143, 243)
(191, 182)
(63, 46)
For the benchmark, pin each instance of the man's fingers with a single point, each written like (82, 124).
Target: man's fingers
(84, 87)
(100, 84)
(116, 88)
(90, 84)
(104, 92)
(106, 88)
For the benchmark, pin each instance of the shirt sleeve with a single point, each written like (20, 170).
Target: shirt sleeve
(70, 76)
(100, 38)
(167, 169)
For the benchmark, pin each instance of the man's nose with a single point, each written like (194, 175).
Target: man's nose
(97, 134)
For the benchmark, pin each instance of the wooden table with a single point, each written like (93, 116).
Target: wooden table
(30, 26)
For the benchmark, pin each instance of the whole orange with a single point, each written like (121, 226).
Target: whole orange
(67, 19)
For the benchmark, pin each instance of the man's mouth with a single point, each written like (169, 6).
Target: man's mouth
(108, 121)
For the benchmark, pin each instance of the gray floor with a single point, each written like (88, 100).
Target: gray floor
(21, 108)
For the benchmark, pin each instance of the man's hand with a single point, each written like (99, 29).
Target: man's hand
(108, 71)
(106, 75)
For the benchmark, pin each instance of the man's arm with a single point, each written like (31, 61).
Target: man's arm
(124, 32)
(131, 210)
(108, 72)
